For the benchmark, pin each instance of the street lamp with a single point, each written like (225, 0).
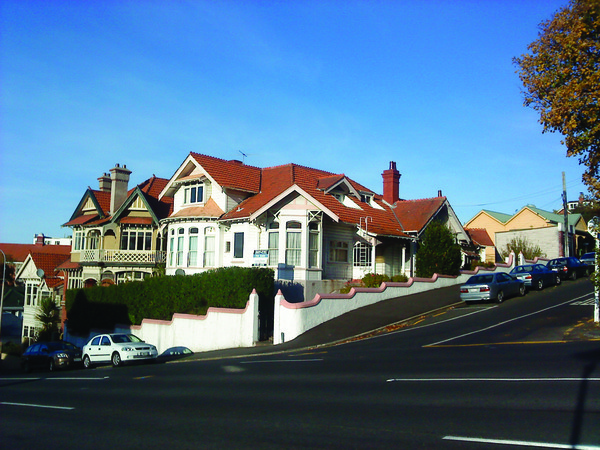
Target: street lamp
(594, 229)
(2, 294)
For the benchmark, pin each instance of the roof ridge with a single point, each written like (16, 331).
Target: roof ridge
(229, 161)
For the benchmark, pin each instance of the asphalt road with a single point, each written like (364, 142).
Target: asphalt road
(473, 377)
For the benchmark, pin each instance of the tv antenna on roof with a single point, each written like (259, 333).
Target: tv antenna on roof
(243, 154)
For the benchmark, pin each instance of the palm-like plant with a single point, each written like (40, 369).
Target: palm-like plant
(48, 315)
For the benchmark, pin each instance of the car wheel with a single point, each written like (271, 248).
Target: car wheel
(574, 275)
(500, 297)
(558, 280)
(86, 362)
(51, 365)
(540, 284)
(522, 290)
(116, 359)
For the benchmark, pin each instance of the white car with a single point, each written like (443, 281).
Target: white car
(117, 349)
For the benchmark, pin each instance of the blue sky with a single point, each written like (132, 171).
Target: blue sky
(343, 86)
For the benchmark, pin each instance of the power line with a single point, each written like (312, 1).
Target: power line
(522, 197)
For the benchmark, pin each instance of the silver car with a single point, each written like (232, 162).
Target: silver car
(491, 286)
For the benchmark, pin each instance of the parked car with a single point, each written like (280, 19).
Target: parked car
(536, 276)
(117, 349)
(51, 356)
(589, 259)
(569, 267)
(491, 286)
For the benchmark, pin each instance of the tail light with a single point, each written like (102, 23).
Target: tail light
(528, 277)
(464, 291)
(484, 289)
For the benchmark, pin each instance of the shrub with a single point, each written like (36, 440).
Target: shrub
(485, 264)
(160, 297)
(438, 252)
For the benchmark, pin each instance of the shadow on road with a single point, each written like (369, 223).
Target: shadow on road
(591, 359)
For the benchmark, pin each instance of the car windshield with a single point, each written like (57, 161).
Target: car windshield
(120, 338)
(480, 279)
(53, 346)
(522, 269)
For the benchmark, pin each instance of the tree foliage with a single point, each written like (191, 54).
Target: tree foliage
(520, 244)
(438, 252)
(561, 79)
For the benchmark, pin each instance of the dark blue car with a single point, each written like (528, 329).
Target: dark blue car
(536, 276)
(570, 267)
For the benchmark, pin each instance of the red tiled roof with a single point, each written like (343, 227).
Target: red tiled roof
(81, 220)
(230, 174)
(412, 215)
(103, 199)
(49, 263)
(480, 236)
(19, 252)
(151, 188)
(210, 209)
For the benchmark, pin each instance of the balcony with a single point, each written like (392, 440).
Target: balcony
(123, 256)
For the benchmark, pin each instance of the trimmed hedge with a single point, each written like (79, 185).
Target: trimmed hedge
(161, 297)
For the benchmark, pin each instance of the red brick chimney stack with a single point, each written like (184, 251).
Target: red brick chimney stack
(391, 184)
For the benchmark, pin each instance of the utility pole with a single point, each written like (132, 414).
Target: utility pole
(594, 230)
(567, 250)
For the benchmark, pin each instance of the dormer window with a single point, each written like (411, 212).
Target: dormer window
(365, 198)
(194, 194)
(338, 196)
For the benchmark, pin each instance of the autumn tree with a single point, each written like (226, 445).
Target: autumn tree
(561, 79)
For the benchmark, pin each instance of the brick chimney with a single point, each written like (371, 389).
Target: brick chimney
(119, 177)
(391, 184)
(104, 182)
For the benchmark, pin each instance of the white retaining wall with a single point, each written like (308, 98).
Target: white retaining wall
(220, 328)
(293, 319)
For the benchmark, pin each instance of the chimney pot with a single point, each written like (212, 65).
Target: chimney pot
(391, 184)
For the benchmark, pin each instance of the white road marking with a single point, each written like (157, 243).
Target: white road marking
(52, 379)
(503, 380)
(281, 361)
(521, 443)
(584, 302)
(503, 323)
(31, 405)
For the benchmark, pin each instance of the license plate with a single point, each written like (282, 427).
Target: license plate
(145, 353)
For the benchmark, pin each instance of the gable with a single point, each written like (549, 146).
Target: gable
(526, 218)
